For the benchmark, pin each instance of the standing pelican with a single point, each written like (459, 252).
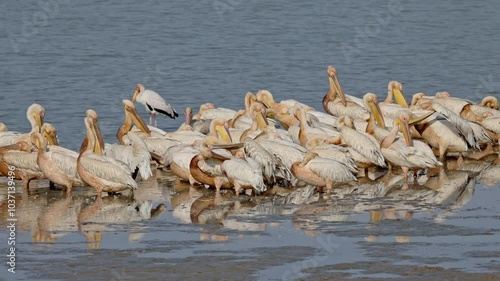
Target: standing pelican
(363, 147)
(131, 149)
(321, 172)
(24, 161)
(153, 102)
(406, 153)
(103, 173)
(35, 115)
(57, 166)
(243, 172)
(338, 104)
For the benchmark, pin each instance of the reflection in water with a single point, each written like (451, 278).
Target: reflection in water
(49, 215)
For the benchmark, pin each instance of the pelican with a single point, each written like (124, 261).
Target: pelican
(205, 167)
(407, 154)
(23, 159)
(461, 107)
(35, 115)
(266, 98)
(103, 173)
(338, 104)
(243, 172)
(153, 102)
(8, 149)
(307, 133)
(57, 166)
(363, 147)
(492, 124)
(3, 127)
(204, 107)
(321, 172)
(395, 90)
(131, 149)
(272, 166)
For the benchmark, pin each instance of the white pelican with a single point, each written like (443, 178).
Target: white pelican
(322, 172)
(57, 166)
(153, 102)
(395, 90)
(272, 166)
(35, 115)
(338, 104)
(307, 133)
(266, 98)
(21, 157)
(407, 154)
(3, 127)
(492, 124)
(334, 152)
(103, 173)
(243, 172)
(205, 167)
(461, 107)
(204, 107)
(131, 149)
(363, 147)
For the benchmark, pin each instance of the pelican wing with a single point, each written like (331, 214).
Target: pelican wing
(107, 169)
(364, 145)
(492, 124)
(65, 163)
(462, 125)
(244, 173)
(218, 113)
(160, 145)
(337, 153)
(353, 110)
(331, 169)
(22, 160)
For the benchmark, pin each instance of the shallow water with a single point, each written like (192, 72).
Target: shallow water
(442, 227)
(91, 55)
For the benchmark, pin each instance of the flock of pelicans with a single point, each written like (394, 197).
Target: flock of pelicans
(266, 143)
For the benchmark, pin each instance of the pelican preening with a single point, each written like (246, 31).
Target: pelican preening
(153, 102)
(266, 143)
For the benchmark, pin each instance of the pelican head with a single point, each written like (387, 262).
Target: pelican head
(138, 89)
(371, 103)
(345, 121)
(395, 89)
(489, 101)
(131, 113)
(3, 127)
(335, 85)
(308, 157)
(49, 132)
(220, 127)
(38, 140)
(417, 97)
(442, 95)
(265, 97)
(259, 113)
(250, 98)
(35, 114)
(403, 122)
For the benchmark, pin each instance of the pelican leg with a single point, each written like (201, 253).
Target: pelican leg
(329, 186)
(405, 173)
(52, 185)
(154, 115)
(237, 189)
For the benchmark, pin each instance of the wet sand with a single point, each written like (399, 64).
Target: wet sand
(441, 228)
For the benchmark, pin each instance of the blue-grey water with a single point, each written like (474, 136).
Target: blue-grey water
(73, 55)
